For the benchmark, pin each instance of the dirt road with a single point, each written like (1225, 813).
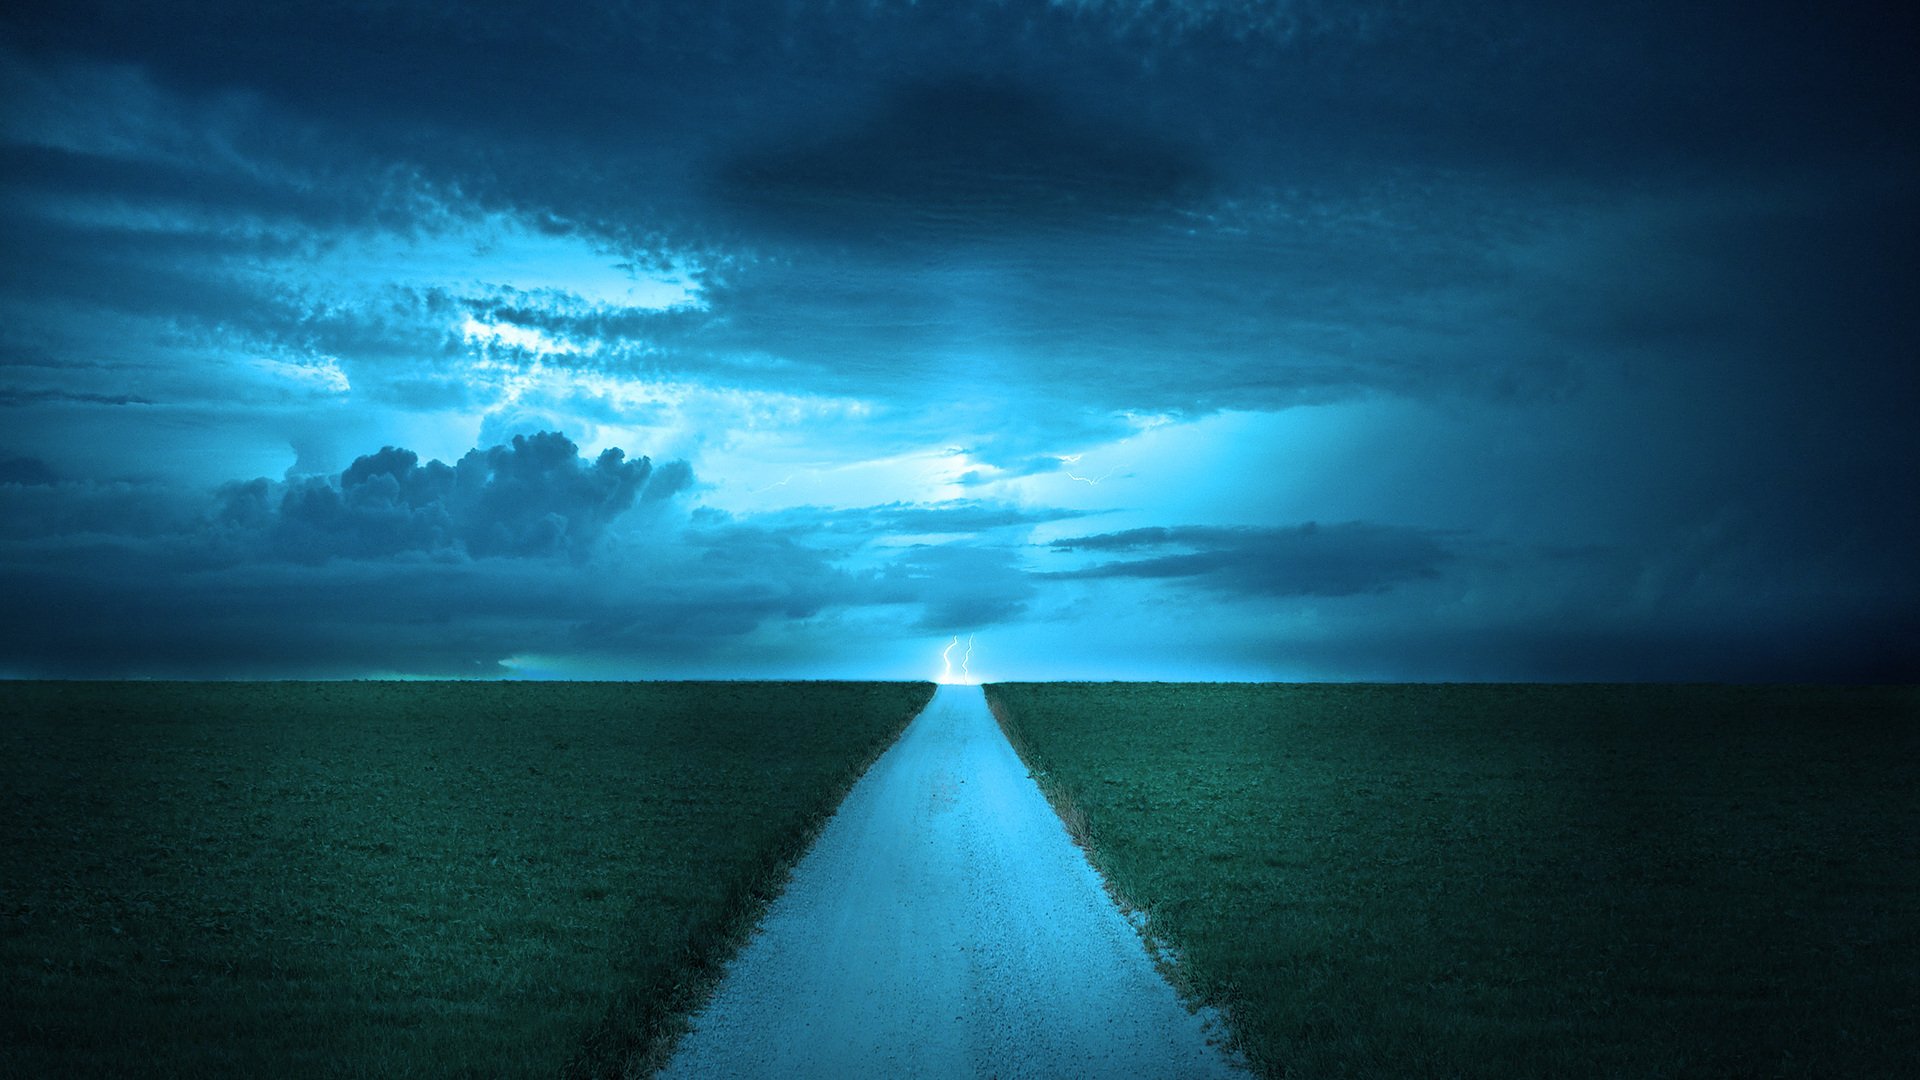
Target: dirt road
(945, 926)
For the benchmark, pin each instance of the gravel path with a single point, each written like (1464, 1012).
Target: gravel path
(945, 926)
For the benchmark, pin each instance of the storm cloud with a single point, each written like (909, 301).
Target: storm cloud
(997, 158)
(1303, 560)
(534, 496)
(1051, 318)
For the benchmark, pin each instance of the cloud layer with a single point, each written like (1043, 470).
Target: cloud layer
(1581, 332)
(1304, 560)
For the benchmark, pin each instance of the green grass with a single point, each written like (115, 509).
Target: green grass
(1513, 881)
(395, 879)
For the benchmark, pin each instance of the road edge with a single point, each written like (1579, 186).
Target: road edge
(706, 969)
(1164, 954)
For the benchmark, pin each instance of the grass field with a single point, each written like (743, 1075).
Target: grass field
(394, 879)
(1513, 881)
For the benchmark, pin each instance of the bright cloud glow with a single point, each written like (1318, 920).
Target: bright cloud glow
(320, 374)
(500, 252)
(519, 337)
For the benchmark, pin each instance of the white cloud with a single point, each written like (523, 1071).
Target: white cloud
(519, 337)
(320, 374)
(483, 255)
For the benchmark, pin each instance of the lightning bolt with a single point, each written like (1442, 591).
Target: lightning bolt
(966, 658)
(946, 658)
(1070, 459)
(770, 487)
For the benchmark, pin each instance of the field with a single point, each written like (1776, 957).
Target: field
(393, 879)
(1519, 881)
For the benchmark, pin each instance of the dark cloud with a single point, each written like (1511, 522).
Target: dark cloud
(1304, 560)
(953, 586)
(183, 274)
(535, 496)
(390, 566)
(667, 481)
(136, 611)
(12, 397)
(954, 516)
(1351, 180)
(959, 587)
(962, 158)
(26, 470)
(38, 505)
(896, 518)
(777, 567)
(1851, 648)
(394, 565)
(205, 189)
(965, 516)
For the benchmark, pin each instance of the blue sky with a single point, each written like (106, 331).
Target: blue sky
(1134, 340)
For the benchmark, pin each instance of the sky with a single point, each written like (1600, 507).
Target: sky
(1121, 339)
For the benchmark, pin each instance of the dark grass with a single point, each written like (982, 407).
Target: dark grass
(1513, 881)
(395, 879)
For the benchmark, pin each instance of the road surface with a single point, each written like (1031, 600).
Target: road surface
(944, 925)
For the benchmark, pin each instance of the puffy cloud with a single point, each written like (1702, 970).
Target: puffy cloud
(391, 565)
(398, 565)
(534, 496)
(667, 480)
